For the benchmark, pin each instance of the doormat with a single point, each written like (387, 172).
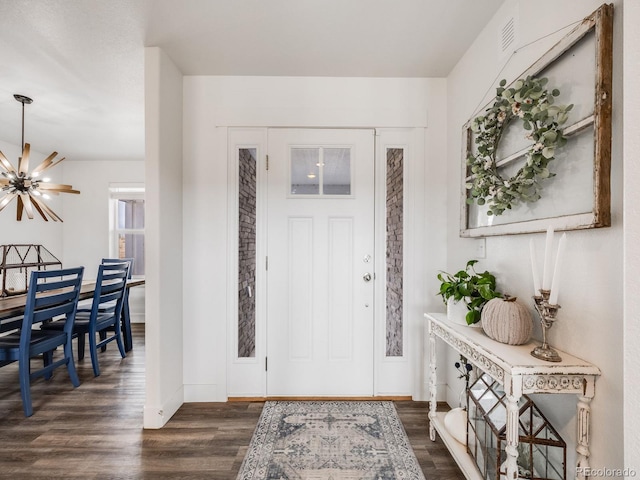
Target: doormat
(311, 440)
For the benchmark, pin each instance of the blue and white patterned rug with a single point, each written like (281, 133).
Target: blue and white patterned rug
(349, 440)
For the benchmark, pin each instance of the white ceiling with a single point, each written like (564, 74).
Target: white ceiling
(82, 61)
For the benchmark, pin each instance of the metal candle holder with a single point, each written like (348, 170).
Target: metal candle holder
(547, 314)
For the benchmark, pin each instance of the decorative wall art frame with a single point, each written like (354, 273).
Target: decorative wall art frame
(574, 188)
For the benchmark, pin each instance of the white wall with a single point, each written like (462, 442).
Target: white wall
(163, 238)
(310, 101)
(86, 221)
(213, 103)
(434, 241)
(85, 232)
(590, 323)
(631, 234)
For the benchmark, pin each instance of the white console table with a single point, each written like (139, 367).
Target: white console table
(519, 373)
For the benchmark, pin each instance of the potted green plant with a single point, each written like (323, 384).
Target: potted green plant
(471, 288)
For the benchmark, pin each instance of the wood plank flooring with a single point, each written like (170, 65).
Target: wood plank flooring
(95, 431)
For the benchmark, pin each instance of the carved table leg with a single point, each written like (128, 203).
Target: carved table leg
(432, 384)
(513, 416)
(582, 447)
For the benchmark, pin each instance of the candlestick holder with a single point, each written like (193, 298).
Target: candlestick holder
(547, 314)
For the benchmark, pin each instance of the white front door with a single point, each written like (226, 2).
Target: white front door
(320, 322)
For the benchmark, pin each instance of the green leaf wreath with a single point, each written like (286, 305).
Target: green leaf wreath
(528, 100)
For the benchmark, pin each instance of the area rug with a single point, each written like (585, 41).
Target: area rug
(311, 440)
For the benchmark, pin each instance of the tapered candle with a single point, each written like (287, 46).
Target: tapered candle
(534, 269)
(546, 272)
(555, 284)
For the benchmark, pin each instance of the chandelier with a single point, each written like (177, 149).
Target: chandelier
(29, 189)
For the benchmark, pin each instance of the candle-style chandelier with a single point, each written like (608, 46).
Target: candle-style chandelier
(29, 189)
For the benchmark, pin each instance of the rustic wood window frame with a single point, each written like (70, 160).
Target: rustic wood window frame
(601, 23)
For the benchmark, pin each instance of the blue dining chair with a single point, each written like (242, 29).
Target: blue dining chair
(52, 293)
(104, 315)
(126, 316)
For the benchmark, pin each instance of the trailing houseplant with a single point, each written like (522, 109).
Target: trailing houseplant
(473, 288)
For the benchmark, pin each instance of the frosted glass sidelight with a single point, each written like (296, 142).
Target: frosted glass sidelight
(247, 252)
(394, 220)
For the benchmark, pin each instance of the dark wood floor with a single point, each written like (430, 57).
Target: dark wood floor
(95, 431)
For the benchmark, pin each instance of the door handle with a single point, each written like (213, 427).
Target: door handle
(367, 277)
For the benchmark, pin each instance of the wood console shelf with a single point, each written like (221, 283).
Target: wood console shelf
(519, 373)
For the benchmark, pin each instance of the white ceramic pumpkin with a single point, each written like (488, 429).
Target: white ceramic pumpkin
(507, 321)
(455, 421)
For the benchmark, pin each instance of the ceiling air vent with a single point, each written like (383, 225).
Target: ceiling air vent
(507, 37)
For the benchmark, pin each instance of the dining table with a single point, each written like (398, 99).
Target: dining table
(12, 309)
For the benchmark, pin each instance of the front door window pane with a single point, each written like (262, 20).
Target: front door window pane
(321, 171)
(305, 171)
(336, 175)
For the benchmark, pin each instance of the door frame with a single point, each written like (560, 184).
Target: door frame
(399, 376)
(392, 376)
(246, 377)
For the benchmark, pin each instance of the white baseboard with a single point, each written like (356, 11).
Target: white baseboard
(156, 416)
(204, 393)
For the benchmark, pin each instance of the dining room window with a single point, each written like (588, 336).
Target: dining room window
(127, 224)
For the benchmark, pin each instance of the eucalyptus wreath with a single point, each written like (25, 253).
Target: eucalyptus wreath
(530, 101)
